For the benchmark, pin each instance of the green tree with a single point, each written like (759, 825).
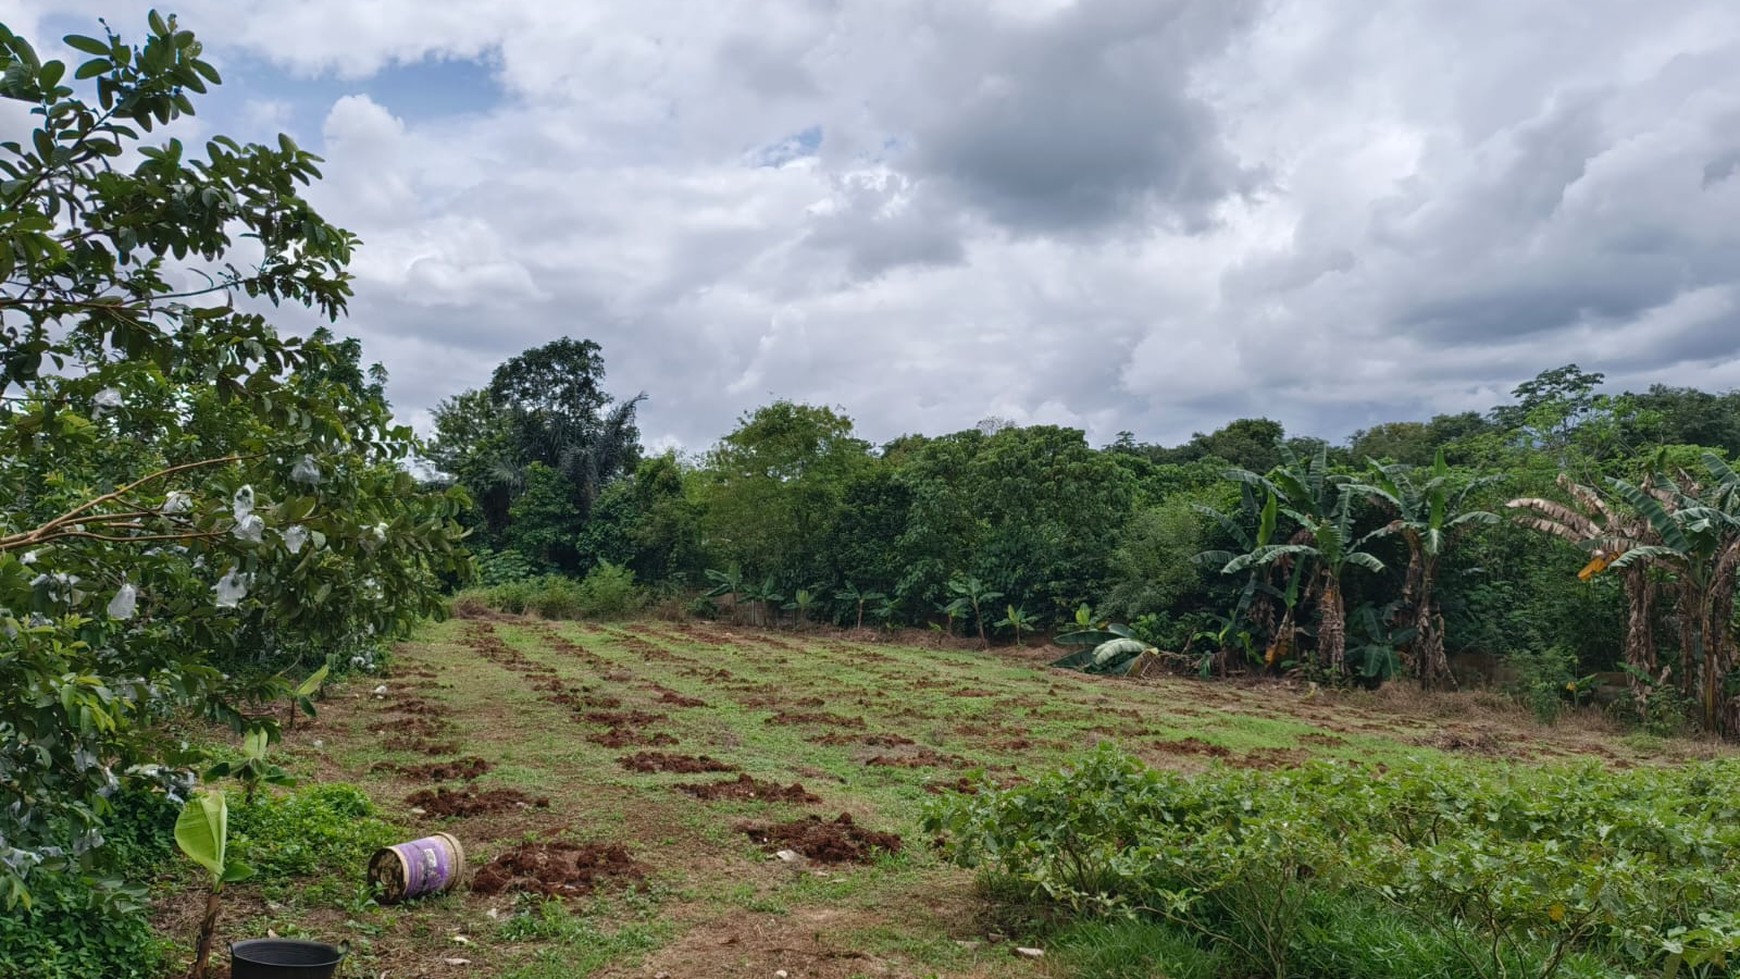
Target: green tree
(179, 484)
(773, 488)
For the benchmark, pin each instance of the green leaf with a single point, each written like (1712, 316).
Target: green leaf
(237, 871)
(158, 26)
(312, 684)
(89, 45)
(93, 68)
(202, 831)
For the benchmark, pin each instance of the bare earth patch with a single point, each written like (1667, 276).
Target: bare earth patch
(444, 801)
(746, 788)
(658, 761)
(558, 869)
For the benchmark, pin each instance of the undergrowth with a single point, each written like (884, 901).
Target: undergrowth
(1339, 870)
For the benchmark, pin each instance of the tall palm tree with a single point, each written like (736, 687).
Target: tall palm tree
(1428, 514)
(1591, 522)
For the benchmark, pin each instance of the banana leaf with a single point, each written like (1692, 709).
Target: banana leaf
(1115, 657)
(1093, 637)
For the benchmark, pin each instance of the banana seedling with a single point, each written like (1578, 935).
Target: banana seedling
(202, 832)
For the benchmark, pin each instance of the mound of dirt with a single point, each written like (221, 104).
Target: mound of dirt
(816, 717)
(676, 699)
(658, 761)
(459, 769)
(837, 841)
(444, 801)
(623, 737)
(873, 740)
(1473, 742)
(422, 746)
(922, 758)
(416, 727)
(558, 869)
(746, 788)
(621, 718)
(1194, 746)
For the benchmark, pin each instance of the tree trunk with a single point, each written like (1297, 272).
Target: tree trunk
(1332, 632)
(207, 928)
(1434, 666)
(1640, 651)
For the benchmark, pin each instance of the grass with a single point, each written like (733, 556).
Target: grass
(713, 903)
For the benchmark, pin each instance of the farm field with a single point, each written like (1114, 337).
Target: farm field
(571, 734)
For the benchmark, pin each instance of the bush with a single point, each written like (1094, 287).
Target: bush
(92, 920)
(331, 828)
(1480, 870)
(609, 592)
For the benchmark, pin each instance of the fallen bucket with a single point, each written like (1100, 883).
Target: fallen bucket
(403, 871)
(284, 958)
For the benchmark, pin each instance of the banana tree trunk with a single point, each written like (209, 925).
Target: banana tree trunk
(1332, 632)
(1640, 650)
(1433, 664)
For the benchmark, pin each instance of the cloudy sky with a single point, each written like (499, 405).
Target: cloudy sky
(1151, 215)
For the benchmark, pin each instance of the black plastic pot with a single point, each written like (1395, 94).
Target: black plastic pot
(284, 958)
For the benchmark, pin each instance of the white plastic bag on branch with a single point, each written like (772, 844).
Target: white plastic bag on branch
(306, 471)
(243, 503)
(124, 602)
(250, 528)
(294, 538)
(177, 502)
(231, 589)
(107, 400)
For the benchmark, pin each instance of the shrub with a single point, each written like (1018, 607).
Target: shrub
(324, 828)
(1482, 870)
(609, 592)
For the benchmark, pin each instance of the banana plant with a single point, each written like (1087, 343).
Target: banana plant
(727, 582)
(976, 594)
(801, 603)
(1016, 619)
(253, 770)
(853, 595)
(766, 597)
(885, 610)
(202, 832)
(302, 698)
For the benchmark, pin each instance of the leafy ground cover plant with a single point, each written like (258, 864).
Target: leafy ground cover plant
(1497, 872)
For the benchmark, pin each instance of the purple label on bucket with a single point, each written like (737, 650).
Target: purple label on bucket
(426, 865)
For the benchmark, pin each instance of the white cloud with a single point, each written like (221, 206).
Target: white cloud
(1142, 214)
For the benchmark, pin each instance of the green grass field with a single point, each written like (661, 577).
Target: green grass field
(875, 730)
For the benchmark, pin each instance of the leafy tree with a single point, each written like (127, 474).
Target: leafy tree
(773, 487)
(1429, 509)
(179, 484)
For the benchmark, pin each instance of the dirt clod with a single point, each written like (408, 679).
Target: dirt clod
(826, 841)
(744, 787)
(658, 761)
(623, 737)
(444, 801)
(459, 769)
(558, 869)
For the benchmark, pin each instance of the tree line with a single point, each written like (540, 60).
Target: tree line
(1568, 532)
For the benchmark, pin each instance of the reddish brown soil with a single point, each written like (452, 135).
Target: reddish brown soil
(558, 869)
(922, 758)
(622, 718)
(872, 740)
(422, 746)
(837, 841)
(1473, 742)
(658, 761)
(746, 788)
(962, 785)
(444, 801)
(816, 717)
(1271, 758)
(462, 769)
(1193, 746)
(678, 700)
(622, 737)
(412, 727)
(414, 706)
